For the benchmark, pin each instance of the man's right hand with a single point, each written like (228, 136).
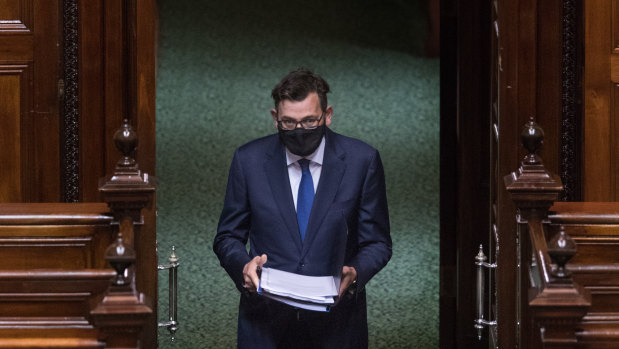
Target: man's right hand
(250, 272)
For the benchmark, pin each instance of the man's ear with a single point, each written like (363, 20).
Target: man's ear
(328, 115)
(274, 115)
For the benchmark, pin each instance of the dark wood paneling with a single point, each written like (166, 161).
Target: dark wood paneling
(44, 175)
(473, 171)
(29, 33)
(143, 111)
(39, 236)
(603, 301)
(53, 274)
(594, 226)
(91, 109)
(524, 80)
(45, 119)
(50, 294)
(529, 66)
(529, 57)
(117, 58)
(10, 171)
(9, 11)
(512, 81)
(52, 247)
(16, 15)
(50, 309)
(47, 53)
(117, 80)
(548, 76)
(146, 65)
(599, 160)
(15, 48)
(615, 26)
(116, 77)
(615, 142)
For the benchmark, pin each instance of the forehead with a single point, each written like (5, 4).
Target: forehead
(310, 106)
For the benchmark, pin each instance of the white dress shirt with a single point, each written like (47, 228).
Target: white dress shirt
(294, 169)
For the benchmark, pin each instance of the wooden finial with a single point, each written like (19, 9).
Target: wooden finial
(120, 256)
(532, 138)
(127, 190)
(533, 186)
(561, 249)
(126, 140)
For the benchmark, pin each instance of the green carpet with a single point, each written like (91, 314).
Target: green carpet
(217, 64)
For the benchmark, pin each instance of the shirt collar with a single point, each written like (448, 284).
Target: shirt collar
(316, 156)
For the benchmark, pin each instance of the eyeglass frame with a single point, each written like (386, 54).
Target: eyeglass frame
(279, 123)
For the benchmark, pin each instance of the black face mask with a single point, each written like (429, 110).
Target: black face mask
(300, 141)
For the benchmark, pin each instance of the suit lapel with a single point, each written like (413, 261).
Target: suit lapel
(277, 174)
(333, 168)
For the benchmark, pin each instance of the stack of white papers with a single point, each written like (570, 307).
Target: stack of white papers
(306, 292)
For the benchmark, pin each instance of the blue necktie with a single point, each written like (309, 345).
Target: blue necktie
(305, 198)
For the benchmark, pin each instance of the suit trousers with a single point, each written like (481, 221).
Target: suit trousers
(268, 324)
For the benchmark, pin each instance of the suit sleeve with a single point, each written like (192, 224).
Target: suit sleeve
(374, 239)
(234, 223)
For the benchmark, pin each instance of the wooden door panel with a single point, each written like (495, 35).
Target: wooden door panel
(15, 15)
(12, 80)
(615, 26)
(615, 116)
(9, 10)
(601, 160)
(29, 75)
(16, 48)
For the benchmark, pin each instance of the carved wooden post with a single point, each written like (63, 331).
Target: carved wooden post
(533, 188)
(122, 313)
(557, 305)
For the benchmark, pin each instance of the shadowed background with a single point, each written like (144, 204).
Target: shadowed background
(217, 64)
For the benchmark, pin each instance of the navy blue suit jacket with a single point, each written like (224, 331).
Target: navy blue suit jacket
(349, 221)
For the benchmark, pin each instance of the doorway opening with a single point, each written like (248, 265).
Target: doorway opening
(217, 64)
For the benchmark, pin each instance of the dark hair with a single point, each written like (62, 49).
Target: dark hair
(297, 85)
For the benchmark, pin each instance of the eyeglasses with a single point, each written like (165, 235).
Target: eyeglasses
(308, 124)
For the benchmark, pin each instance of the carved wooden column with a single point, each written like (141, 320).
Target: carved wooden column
(122, 313)
(552, 309)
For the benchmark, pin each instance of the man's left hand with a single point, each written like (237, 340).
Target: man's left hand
(349, 275)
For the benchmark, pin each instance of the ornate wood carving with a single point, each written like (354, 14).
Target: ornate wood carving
(569, 166)
(122, 313)
(553, 308)
(70, 108)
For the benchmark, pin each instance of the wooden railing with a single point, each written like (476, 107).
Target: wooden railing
(551, 304)
(67, 274)
(594, 227)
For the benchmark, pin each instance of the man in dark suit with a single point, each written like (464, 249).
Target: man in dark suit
(308, 200)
